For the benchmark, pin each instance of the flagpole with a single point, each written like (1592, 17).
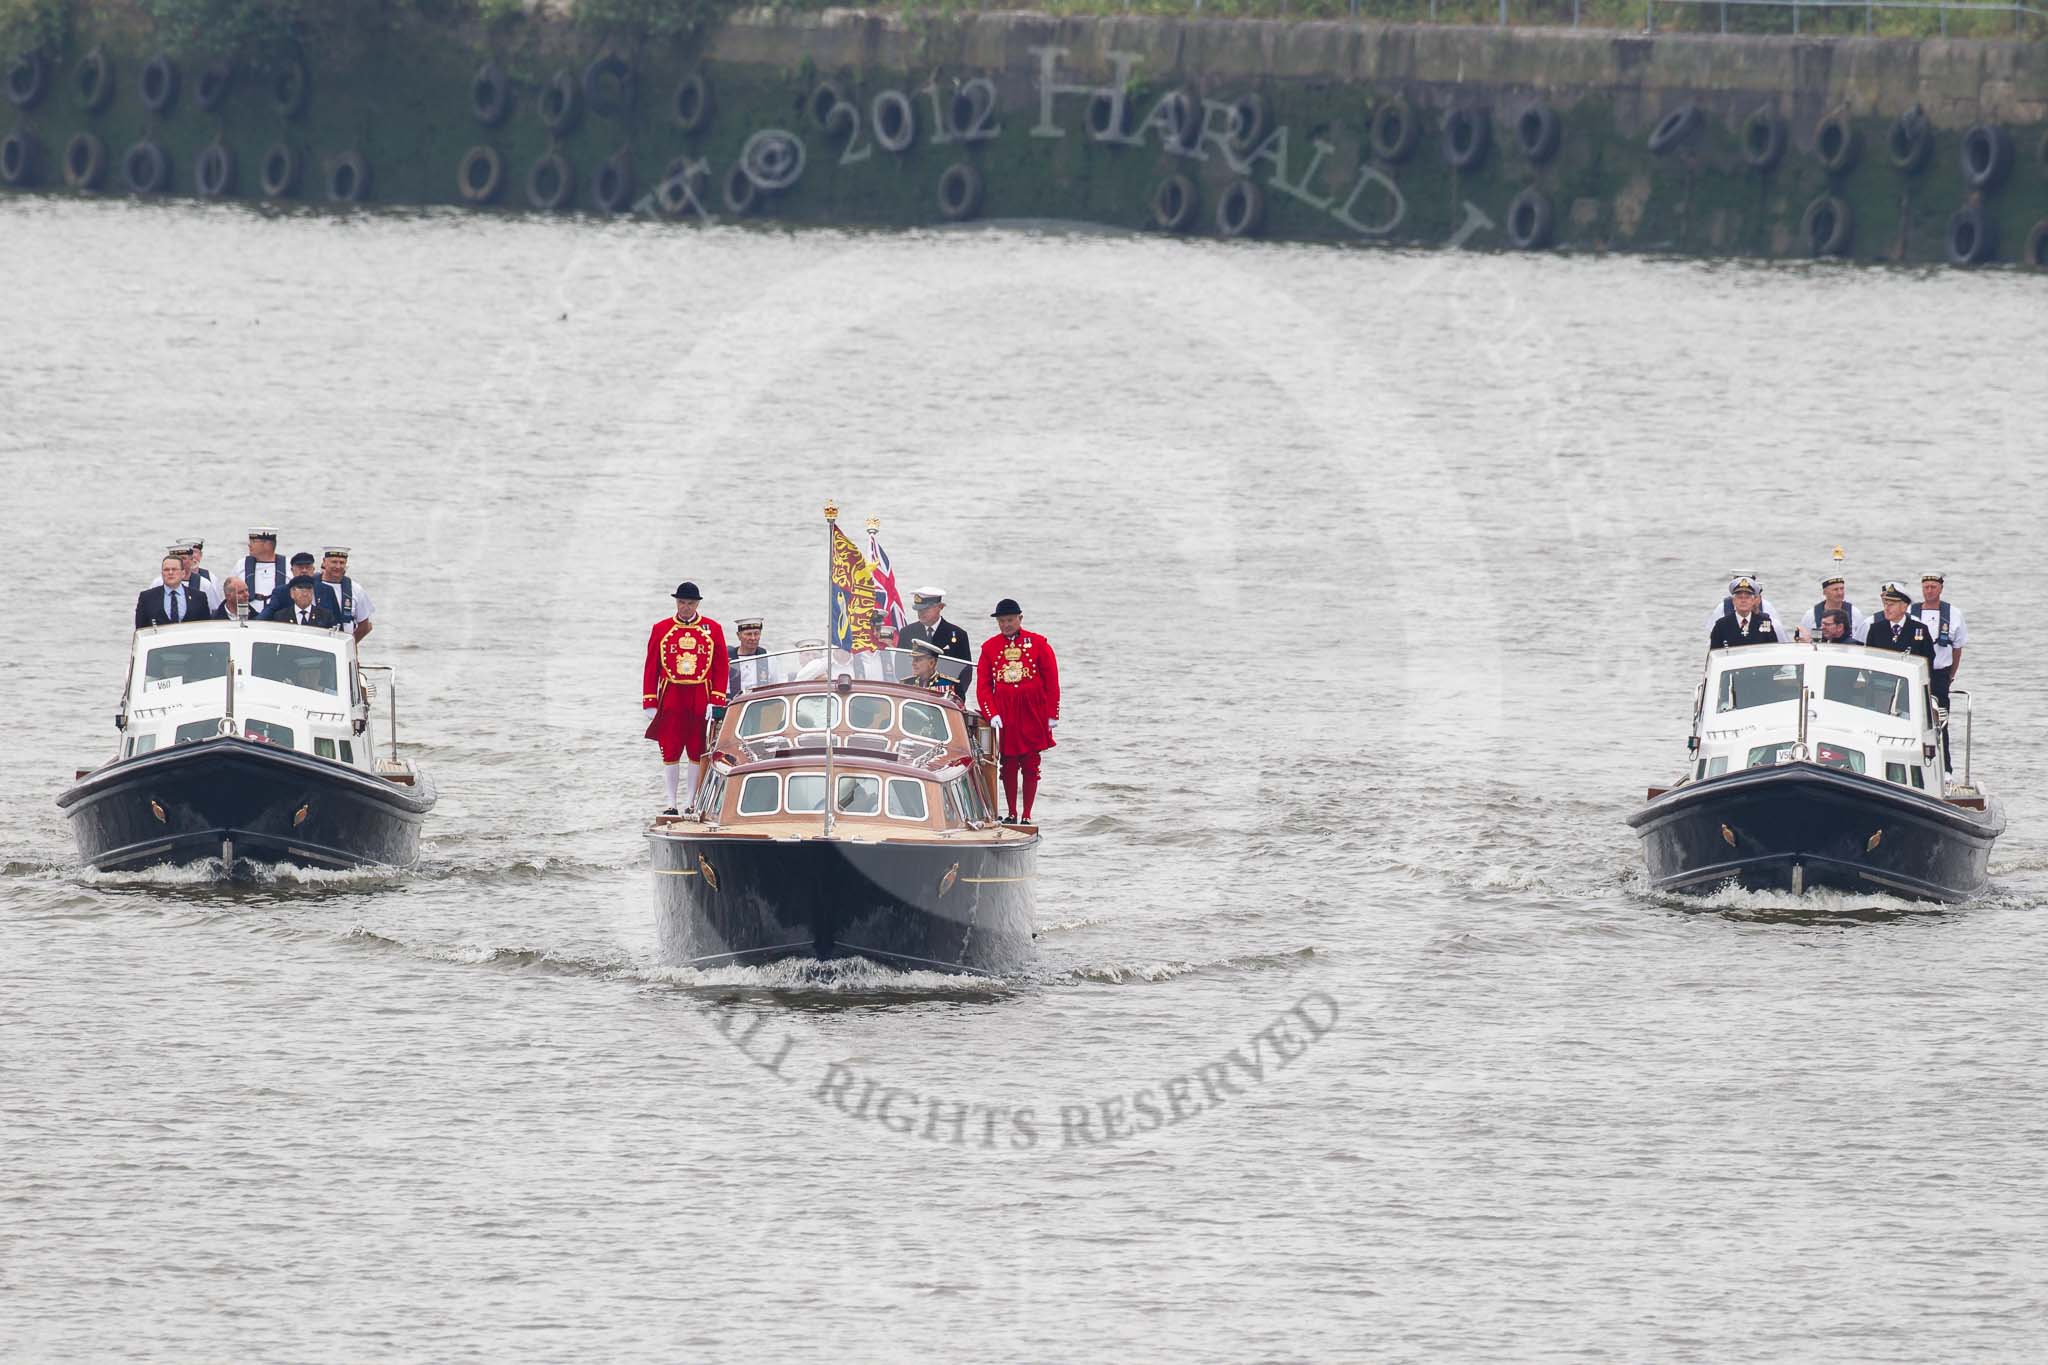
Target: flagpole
(831, 601)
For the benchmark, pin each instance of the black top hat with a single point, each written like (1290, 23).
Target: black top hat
(686, 591)
(1007, 607)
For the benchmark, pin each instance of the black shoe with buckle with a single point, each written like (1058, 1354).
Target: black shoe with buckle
(670, 810)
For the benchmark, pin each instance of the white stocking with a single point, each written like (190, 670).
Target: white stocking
(689, 786)
(669, 773)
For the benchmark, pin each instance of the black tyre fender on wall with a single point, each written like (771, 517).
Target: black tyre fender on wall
(159, 84)
(1972, 236)
(1910, 143)
(1531, 220)
(561, 104)
(1109, 119)
(480, 178)
(145, 168)
(823, 102)
(1249, 118)
(28, 80)
(1174, 203)
(1673, 129)
(959, 192)
(289, 87)
(348, 179)
(611, 189)
(1836, 143)
(1987, 156)
(1467, 131)
(85, 162)
(894, 117)
(213, 170)
(550, 182)
(21, 160)
(94, 81)
(738, 191)
(692, 105)
(1241, 210)
(2037, 246)
(1395, 131)
(1828, 226)
(214, 84)
(280, 172)
(682, 188)
(490, 95)
(608, 86)
(1539, 132)
(1763, 138)
(1184, 113)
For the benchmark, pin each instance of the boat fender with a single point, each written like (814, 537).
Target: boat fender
(213, 172)
(28, 80)
(146, 169)
(1530, 220)
(682, 188)
(1395, 131)
(85, 162)
(1109, 116)
(1174, 203)
(1538, 132)
(1241, 211)
(1972, 236)
(159, 83)
(895, 120)
(1763, 138)
(608, 86)
(1828, 226)
(490, 95)
(1987, 156)
(481, 176)
(280, 172)
(740, 193)
(824, 101)
(348, 179)
(1836, 142)
(289, 86)
(1910, 142)
(691, 105)
(1467, 131)
(214, 83)
(551, 182)
(1249, 118)
(94, 81)
(959, 192)
(21, 160)
(611, 189)
(561, 104)
(1674, 128)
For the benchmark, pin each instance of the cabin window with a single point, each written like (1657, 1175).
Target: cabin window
(815, 712)
(869, 713)
(761, 794)
(1895, 772)
(1742, 688)
(1716, 767)
(764, 718)
(194, 730)
(297, 666)
(348, 752)
(956, 809)
(264, 732)
(1835, 756)
(906, 799)
(1919, 777)
(806, 793)
(170, 665)
(323, 748)
(860, 795)
(712, 795)
(140, 744)
(1702, 770)
(1884, 693)
(922, 720)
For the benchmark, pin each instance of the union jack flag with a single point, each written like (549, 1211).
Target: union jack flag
(887, 600)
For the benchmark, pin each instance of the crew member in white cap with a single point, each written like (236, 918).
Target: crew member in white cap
(1763, 604)
(1832, 590)
(264, 571)
(750, 666)
(1747, 623)
(343, 597)
(1944, 621)
(931, 625)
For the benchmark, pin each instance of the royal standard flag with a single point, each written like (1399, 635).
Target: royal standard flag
(853, 596)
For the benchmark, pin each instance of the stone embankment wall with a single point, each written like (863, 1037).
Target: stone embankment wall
(1870, 149)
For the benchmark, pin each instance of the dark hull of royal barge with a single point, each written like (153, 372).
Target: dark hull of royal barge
(725, 900)
(232, 798)
(1798, 826)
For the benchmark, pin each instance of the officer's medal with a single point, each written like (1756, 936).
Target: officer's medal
(1013, 667)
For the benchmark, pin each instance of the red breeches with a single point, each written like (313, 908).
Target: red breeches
(1012, 766)
(679, 724)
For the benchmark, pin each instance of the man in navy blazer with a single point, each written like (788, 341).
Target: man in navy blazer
(175, 601)
(298, 607)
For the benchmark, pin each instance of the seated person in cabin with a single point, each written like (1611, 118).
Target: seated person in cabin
(1832, 590)
(1746, 622)
(234, 600)
(1834, 627)
(924, 667)
(281, 600)
(170, 601)
(300, 608)
(1895, 630)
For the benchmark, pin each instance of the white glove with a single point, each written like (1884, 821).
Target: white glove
(646, 710)
(1053, 724)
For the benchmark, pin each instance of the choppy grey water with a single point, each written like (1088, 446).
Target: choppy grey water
(1375, 579)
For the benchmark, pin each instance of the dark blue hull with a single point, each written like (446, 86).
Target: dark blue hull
(1798, 826)
(233, 798)
(726, 901)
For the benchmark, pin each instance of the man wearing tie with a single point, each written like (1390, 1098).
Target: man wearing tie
(302, 609)
(172, 602)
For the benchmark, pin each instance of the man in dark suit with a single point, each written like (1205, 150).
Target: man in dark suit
(931, 624)
(172, 603)
(1745, 623)
(299, 608)
(1897, 631)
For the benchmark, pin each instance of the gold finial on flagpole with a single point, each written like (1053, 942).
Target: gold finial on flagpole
(874, 525)
(1838, 556)
(831, 511)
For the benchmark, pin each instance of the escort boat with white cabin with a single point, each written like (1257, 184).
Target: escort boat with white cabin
(250, 740)
(846, 816)
(1819, 765)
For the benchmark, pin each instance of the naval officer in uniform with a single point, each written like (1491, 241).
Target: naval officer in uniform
(1897, 631)
(931, 624)
(750, 667)
(1747, 622)
(924, 668)
(1944, 621)
(1763, 603)
(1832, 590)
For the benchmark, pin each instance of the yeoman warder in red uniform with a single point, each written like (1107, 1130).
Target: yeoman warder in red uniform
(1018, 680)
(682, 687)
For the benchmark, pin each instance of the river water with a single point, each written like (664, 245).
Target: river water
(1375, 579)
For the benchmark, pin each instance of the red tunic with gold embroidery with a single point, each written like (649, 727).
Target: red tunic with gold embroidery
(685, 677)
(1019, 679)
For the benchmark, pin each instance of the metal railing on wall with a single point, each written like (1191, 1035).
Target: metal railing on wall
(1978, 18)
